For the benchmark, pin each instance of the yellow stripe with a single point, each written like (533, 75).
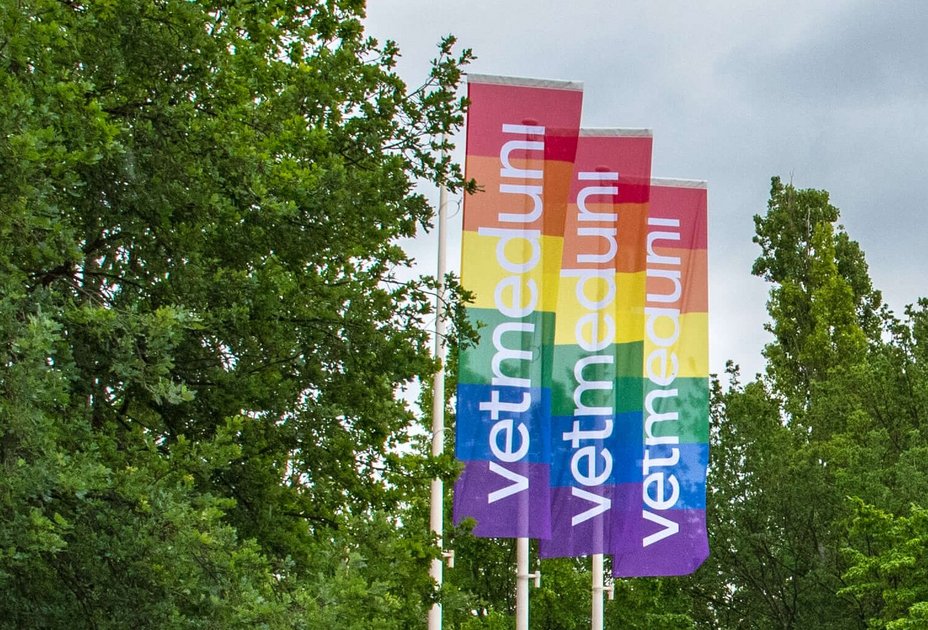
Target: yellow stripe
(691, 347)
(626, 310)
(481, 270)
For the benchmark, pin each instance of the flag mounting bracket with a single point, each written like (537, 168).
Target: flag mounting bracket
(532, 576)
(608, 590)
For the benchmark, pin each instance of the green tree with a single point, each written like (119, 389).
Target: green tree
(772, 515)
(822, 304)
(885, 547)
(650, 604)
(818, 474)
(787, 449)
(890, 574)
(202, 330)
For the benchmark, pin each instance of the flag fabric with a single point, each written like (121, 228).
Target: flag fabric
(521, 144)
(583, 410)
(662, 528)
(596, 366)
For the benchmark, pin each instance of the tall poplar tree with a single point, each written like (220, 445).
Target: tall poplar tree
(818, 474)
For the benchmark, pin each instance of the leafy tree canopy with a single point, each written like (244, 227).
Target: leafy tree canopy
(818, 476)
(202, 330)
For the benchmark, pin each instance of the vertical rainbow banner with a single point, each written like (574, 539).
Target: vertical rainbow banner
(521, 144)
(596, 369)
(662, 530)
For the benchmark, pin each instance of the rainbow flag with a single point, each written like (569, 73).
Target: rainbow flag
(521, 144)
(596, 394)
(662, 529)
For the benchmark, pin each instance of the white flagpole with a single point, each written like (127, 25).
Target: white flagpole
(522, 581)
(597, 568)
(522, 578)
(436, 520)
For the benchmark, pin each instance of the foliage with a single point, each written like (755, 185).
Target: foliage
(650, 604)
(822, 305)
(202, 329)
(890, 574)
(838, 414)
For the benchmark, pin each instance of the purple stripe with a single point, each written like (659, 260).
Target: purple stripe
(593, 534)
(679, 553)
(523, 513)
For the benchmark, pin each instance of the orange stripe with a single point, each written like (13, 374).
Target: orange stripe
(694, 277)
(484, 207)
(631, 228)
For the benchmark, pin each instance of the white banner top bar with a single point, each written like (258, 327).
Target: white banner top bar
(615, 132)
(525, 82)
(679, 183)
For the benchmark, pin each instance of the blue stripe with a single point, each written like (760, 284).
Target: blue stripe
(689, 471)
(474, 425)
(624, 446)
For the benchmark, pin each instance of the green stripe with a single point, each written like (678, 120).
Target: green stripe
(627, 360)
(692, 406)
(691, 403)
(476, 361)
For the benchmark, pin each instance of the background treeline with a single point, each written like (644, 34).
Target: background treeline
(205, 327)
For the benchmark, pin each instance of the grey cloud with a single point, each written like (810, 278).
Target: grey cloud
(865, 53)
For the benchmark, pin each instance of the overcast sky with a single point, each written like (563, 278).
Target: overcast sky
(829, 94)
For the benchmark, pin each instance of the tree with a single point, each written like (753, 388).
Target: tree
(822, 304)
(891, 576)
(201, 327)
(783, 446)
(817, 475)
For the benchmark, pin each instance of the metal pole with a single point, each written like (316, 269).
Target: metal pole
(597, 618)
(522, 578)
(436, 515)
